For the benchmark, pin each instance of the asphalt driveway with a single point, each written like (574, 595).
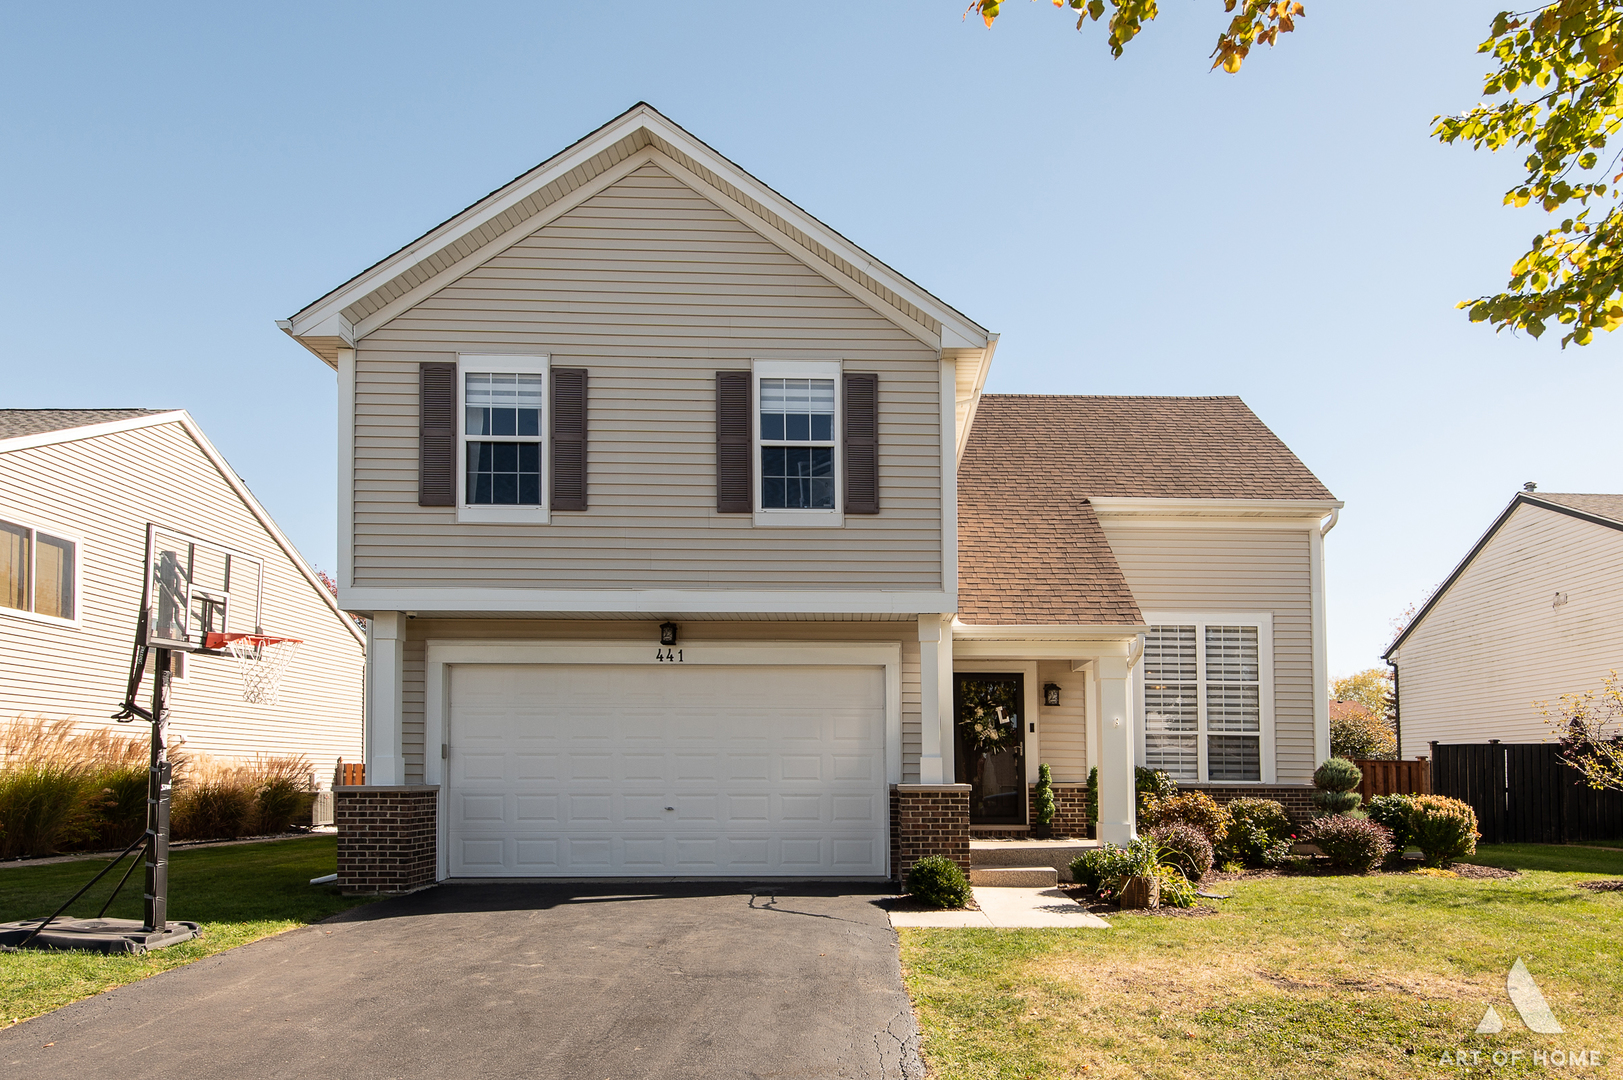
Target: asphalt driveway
(533, 981)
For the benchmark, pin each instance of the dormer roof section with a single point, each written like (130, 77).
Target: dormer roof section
(636, 137)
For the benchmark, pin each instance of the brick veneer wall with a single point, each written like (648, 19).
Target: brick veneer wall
(1297, 798)
(386, 838)
(1070, 810)
(928, 819)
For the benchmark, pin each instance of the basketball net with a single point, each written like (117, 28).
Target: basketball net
(261, 659)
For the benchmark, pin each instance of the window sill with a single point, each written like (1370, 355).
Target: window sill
(502, 515)
(800, 519)
(34, 617)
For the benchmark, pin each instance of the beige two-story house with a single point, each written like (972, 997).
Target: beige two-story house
(651, 491)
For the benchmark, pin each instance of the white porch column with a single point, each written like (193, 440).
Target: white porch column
(1117, 810)
(935, 700)
(385, 652)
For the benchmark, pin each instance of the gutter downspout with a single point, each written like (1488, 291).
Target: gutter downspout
(1335, 516)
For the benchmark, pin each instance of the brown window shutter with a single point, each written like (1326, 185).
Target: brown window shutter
(861, 443)
(733, 465)
(436, 435)
(568, 449)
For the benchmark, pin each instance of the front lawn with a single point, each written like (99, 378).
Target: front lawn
(1294, 976)
(237, 894)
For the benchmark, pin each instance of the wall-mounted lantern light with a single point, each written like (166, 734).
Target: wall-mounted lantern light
(667, 633)
(1050, 693)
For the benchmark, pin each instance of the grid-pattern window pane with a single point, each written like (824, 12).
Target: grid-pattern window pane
(797, 444)
(1233, 757)
(1231, 654)
(15, 555)
(502, 422)
(1171, 702)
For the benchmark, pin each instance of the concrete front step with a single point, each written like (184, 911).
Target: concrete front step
(1014, 877)
(1054, 853)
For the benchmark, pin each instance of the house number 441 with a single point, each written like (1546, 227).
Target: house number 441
(668, 656)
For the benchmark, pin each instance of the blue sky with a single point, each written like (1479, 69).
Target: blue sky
(177, 177)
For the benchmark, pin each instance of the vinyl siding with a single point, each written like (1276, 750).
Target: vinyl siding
(419, 631)
(1179, 568)
(653, 289)
(1062, 729)
(104, 490)
(1496, 642)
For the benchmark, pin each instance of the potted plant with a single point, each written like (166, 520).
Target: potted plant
(1139, 885)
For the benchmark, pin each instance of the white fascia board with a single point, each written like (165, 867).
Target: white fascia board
(1302, 510)
(90, 431)
(1051, 632)
(426, 600)
(984, 367)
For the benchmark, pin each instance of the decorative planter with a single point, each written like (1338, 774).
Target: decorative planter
(1041, 831)
(1141, 892)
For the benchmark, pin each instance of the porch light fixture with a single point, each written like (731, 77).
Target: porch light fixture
(1050, 693)
(667, 633)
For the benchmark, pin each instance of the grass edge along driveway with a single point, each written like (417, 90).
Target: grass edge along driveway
(1294, 976)
(237, 894)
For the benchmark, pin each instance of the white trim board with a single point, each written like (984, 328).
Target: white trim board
(439, 654)
(426, 600)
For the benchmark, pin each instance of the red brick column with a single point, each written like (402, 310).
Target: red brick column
(1070, 810)
(387, 838)
(928, 819)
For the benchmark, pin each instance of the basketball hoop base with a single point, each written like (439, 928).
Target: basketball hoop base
(97, 935)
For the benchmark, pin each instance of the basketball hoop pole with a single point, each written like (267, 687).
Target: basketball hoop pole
(159, 788)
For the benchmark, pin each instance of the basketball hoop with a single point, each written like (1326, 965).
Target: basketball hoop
(261, 659)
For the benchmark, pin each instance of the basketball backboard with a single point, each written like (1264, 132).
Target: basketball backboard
(195, 588)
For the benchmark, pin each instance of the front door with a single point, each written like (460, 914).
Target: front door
(990, 745)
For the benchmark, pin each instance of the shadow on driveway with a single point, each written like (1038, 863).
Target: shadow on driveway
(598, 982)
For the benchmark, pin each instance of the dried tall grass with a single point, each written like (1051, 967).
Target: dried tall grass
(224, 799)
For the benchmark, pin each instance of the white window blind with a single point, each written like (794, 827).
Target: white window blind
(1202, 702)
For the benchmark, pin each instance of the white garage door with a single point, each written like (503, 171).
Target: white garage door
(590, 770)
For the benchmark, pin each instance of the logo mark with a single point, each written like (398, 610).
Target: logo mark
(1529, 1002)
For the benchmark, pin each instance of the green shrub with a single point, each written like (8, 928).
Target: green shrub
(1184, 847)
(1350, 843)
(1093, 802)
(1043, 796)
(1277, 855)
(1443, 829)
(1254, 825)
(1335, 779)
(1393, 812)
(1176, 891)
(1191, 808)
(938, 882)
(1147, 782)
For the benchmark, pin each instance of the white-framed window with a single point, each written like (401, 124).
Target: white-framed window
(501, 438)
(797, 427)
(1206, 702)
(39, 573)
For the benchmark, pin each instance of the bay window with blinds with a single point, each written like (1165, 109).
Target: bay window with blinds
(1206, 699)
(39, 573)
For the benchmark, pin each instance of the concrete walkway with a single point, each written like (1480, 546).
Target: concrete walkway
(1001, 908)
(566, 982)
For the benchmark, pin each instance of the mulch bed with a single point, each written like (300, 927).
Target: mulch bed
(1099, 907)
(1601, 886)
(907, 903)
(1472, 870)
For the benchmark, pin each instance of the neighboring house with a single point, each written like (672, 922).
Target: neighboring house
(691, 546)
(77, 490)
(1534, 611)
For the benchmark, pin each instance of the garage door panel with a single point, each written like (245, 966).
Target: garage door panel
(770, 770)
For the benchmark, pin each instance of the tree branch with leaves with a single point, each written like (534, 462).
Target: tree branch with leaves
(1589, 730)
(1255, 22)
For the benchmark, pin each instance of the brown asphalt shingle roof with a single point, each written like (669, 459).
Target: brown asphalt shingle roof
(18, 422)
(1607, 506)
(1030, 548)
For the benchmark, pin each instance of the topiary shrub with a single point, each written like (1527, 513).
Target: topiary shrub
(1093, 802)
(1335, 779)
(1043, 797)
(1443, 829)
(1184, 847)
(938, 882)
(1254, 825)
(1176, 891)
(1147, 782)
(1393, 812)
(1350, 843)
(1191, 808)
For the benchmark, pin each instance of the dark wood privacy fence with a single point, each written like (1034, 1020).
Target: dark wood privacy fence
(1525, 793)
(1393, 778)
